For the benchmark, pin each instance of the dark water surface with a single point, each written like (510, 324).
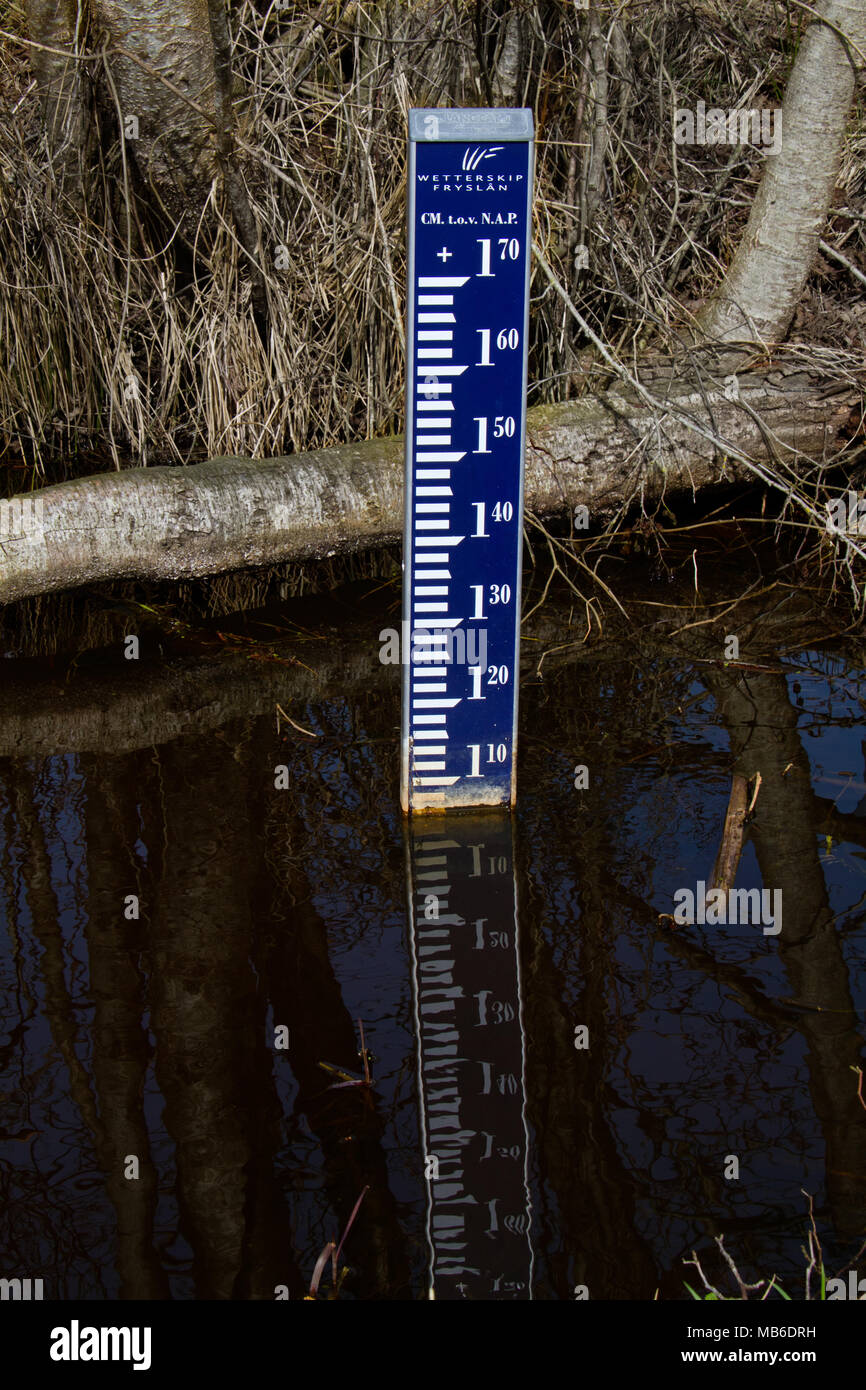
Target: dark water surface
(480, 954)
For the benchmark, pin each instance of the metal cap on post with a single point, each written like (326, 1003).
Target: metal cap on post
(470, 201)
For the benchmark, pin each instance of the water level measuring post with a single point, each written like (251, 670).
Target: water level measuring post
(470, 199)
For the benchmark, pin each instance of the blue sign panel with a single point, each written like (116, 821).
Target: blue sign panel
(470, 190)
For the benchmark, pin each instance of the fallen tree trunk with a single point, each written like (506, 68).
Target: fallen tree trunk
(231, 513)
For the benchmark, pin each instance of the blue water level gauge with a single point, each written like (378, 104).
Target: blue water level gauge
(470, 193)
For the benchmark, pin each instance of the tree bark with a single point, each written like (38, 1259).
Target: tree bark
(56, 25)
(231, 513)
(757, 299)
(242, 213)
(162, 66)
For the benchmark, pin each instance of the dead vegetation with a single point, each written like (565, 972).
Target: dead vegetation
(128, 340)
(119, 334)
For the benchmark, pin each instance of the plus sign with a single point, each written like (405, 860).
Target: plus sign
(444, 254)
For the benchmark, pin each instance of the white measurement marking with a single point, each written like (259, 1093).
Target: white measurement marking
(444, 282)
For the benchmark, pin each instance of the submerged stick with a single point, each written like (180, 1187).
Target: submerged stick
(728, 858)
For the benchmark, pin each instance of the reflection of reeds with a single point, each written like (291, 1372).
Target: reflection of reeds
(765, 1288)
(332, 1252)
(345, 1079)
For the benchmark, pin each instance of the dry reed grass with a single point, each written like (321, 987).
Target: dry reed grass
(118, 338)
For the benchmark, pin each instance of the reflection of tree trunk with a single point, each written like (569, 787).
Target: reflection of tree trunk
(568, 1107)
(763, 730)
(47, 930)
(208, 1020)
(120, 1046)
(306, 997)
(142, 705)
